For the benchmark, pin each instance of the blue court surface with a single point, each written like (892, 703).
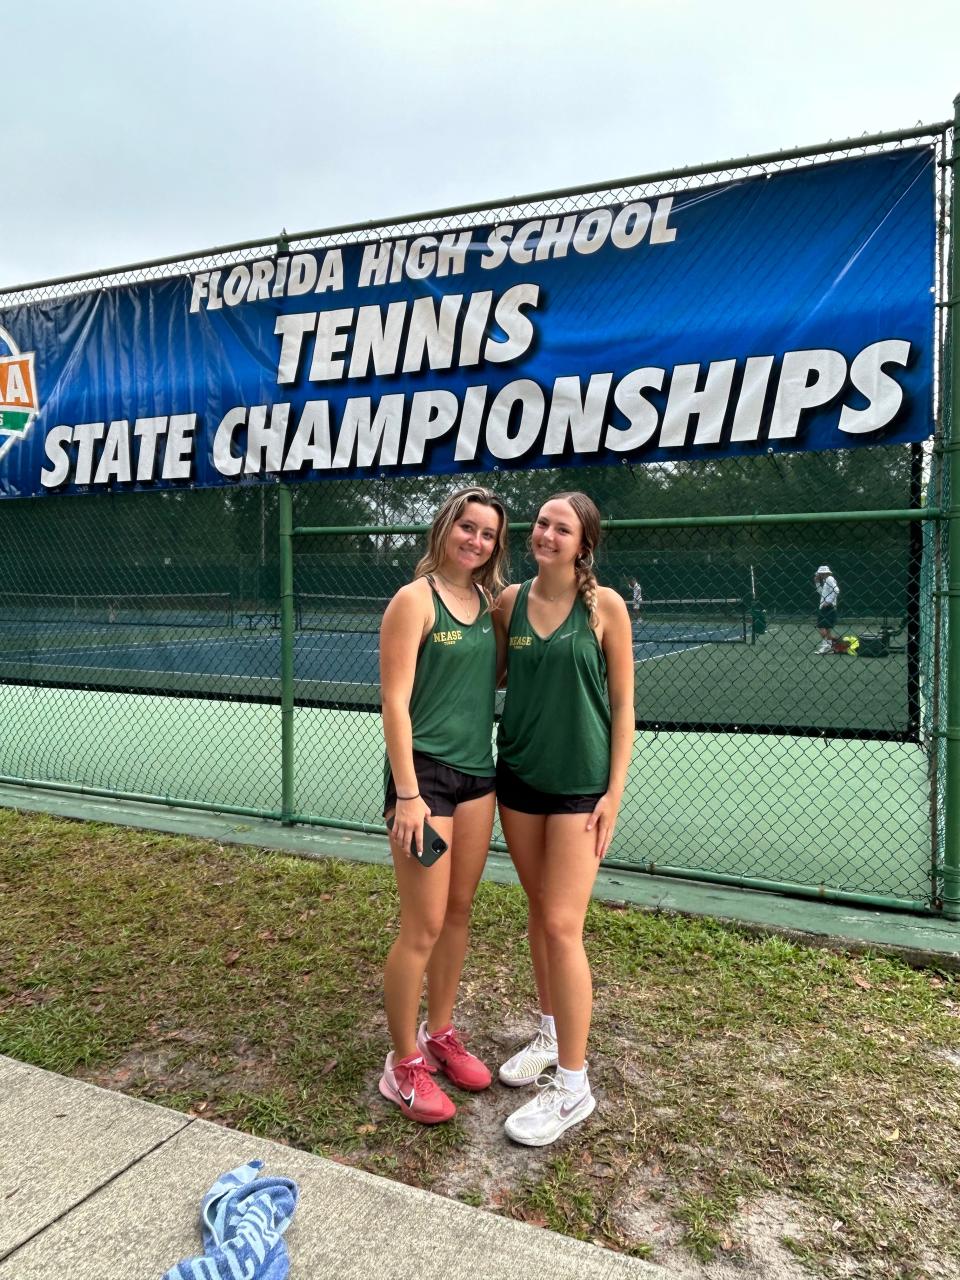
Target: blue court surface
(332, 656)
(340, 666)
(238, 662)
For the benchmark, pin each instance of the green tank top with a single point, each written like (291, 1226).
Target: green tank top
(451, 706)
(555, 730)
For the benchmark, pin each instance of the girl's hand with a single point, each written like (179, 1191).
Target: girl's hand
(604, 820)
(408, 822)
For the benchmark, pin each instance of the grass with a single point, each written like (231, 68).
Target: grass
(741, 1082)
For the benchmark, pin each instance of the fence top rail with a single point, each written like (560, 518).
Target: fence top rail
(283, 238)
(658, 522)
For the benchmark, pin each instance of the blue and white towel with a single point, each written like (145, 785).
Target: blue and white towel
(243, 1219)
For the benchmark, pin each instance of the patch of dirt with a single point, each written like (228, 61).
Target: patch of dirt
(752, 1248)
(180, 1062)
(756, 1242)
(490, 1165)
(635, 1203)
(642, 1212)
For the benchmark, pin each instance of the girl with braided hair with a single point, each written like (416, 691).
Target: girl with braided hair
(564, 745)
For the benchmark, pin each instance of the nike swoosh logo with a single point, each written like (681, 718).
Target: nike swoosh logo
(567, 1108)
(408, 1101)
(566, 635)
(485, 630)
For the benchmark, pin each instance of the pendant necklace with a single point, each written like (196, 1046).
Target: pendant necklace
(553, 599)
(457, 591)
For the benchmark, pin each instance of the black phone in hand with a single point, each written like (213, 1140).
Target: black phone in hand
(434, 845)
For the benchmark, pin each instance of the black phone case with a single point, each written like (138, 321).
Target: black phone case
(434, 845)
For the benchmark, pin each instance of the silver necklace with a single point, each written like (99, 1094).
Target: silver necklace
(457, 591)
(553, 599)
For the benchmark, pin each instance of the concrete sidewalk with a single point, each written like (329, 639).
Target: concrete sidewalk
(98, 1186)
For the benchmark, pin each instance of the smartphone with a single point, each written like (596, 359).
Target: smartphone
(434, 845)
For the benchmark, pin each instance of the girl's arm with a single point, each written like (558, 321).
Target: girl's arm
(502, 613)
(408, 618)
(617, 644)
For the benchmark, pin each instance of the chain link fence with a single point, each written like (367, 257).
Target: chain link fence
(759, 757)
(141, 646)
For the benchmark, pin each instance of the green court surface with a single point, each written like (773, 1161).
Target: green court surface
(779, 680)
(846, 814)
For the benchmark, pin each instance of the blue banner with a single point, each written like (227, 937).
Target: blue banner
(788, 311)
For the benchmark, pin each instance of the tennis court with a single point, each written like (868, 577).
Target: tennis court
(242, 663)
(177, 697)
(810, 811)
(698, 662)
(724, 803)
(205, 643)
(756, 759)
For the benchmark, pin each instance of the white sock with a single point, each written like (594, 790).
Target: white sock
(574, 1082)
(548, 1026)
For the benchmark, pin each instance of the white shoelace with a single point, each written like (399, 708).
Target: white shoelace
(542, 1043)
(551, 1093)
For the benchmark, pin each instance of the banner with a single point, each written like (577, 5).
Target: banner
(787, 311)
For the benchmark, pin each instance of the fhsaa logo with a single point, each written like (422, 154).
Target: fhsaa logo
(18, 392)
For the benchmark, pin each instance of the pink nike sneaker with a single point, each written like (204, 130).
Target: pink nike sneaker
(408, 1084)
(444, 1050)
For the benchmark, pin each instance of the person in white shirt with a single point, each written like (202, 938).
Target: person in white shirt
(637, 599)
(826, 585)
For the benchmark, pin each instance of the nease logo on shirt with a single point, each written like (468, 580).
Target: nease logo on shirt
(447, 637)
(520, 642)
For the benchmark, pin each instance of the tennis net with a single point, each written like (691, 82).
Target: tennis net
(340, 613)
(205, 609)
(694, 620)
(690, 621)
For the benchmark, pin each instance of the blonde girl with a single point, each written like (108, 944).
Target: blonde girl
(438, 663)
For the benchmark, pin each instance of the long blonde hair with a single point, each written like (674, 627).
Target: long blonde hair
(587, 513)
(490, 576)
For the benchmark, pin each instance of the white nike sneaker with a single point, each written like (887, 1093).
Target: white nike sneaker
(531, 1062)
(552, 1112)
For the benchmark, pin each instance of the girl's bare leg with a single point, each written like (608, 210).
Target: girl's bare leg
(525, 834)
(569, 871)
(470, 843)
(423, 905)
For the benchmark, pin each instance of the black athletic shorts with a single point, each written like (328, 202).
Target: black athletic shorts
(441, 787)
(513, 793)
(827, 616)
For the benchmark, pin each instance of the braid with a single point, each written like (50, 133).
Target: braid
(587, 586)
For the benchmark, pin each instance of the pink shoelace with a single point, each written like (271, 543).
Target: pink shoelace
(451, 1044)
(416, 1075)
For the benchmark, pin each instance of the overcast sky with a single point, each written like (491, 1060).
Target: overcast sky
(135, 131)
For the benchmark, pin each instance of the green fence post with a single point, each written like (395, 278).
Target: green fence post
(950, 732)
(287, 630)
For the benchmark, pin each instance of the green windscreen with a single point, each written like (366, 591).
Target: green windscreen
(177, 593)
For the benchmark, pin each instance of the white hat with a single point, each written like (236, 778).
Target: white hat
(824, 568)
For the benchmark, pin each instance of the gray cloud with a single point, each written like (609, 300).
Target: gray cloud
(133, 132)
